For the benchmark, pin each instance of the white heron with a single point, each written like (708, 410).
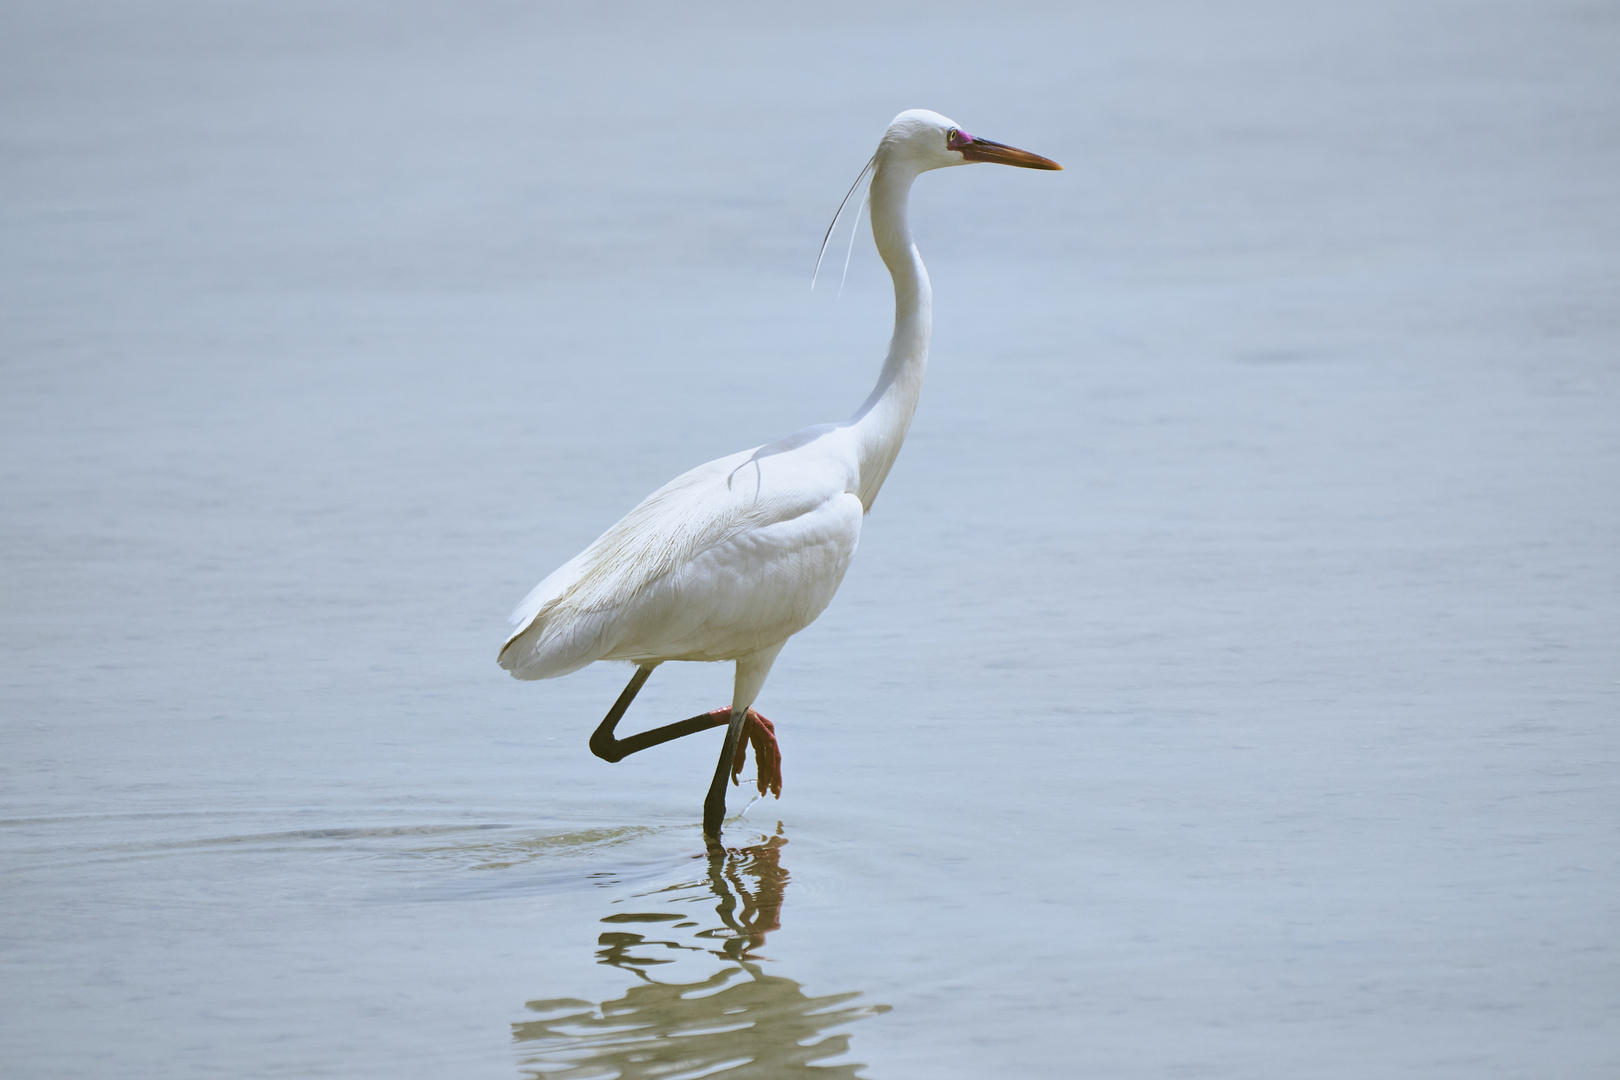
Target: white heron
(729, 560)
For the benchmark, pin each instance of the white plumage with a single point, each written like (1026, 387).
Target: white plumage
(722, 562)
(729, 560)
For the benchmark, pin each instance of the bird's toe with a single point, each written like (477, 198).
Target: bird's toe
(767, 754)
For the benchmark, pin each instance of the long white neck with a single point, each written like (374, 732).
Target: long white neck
(880, 424)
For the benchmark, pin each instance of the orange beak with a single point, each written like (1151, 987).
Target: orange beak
(974, 148)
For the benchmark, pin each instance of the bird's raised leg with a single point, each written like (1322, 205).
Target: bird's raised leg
(756, 730)
(608, 748)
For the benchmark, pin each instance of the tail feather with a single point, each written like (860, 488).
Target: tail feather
(546, 649)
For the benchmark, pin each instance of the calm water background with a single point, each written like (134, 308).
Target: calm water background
(1227, 682)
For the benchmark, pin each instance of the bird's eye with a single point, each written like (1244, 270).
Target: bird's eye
(950, 137)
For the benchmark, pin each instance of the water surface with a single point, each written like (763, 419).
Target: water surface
(1226, 684)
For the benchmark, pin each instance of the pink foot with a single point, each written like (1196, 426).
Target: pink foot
(767, 755)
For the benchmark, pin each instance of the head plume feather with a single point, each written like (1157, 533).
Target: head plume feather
(866, 171)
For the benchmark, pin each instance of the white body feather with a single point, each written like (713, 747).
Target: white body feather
(720, 563)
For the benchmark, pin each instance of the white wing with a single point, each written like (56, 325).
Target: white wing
(735, 555)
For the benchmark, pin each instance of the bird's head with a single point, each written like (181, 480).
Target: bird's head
(916, 141)
(926, 140)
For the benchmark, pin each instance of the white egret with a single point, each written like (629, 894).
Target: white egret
(729, 560)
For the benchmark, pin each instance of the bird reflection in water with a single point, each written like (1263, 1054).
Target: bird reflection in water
(737, 1022)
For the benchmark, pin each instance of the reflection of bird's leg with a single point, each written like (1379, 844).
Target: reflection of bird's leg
(756, 728)
(749, 915)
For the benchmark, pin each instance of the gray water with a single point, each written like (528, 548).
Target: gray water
(1227, 681)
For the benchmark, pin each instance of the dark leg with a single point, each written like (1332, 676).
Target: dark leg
(758, 730)
(714, 807)
(606, 747)
(603, 744)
